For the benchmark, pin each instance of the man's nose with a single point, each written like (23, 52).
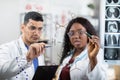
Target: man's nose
(37, 31)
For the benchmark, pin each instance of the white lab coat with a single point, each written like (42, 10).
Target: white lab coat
(80, 69)
(13, 63)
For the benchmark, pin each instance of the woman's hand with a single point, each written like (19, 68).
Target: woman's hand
(93, 49)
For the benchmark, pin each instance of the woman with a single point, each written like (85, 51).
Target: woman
(81, 56)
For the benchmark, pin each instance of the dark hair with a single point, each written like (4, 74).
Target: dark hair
(67, 46)
(34, 16)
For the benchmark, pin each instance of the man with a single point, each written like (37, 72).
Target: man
(20, 58)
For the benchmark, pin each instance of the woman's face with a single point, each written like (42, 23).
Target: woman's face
(77, 36)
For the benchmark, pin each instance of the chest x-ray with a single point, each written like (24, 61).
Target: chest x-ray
(112, 2)
(111, 54)
(112, 26)
(111, 40)
(112, 12)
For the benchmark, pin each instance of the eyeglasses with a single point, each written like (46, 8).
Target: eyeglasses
(33, 28)
(72, 33)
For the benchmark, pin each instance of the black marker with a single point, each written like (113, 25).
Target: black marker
(47, 46)
(89, 35)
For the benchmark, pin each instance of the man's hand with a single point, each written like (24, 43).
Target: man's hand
(35, 50)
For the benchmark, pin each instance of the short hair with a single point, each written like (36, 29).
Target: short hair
(32, 15)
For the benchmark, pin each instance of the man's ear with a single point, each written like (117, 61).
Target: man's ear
(22, 28)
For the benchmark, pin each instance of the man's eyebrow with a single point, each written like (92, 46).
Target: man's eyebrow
(32, 26)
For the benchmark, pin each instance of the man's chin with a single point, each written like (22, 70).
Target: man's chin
(35, 41)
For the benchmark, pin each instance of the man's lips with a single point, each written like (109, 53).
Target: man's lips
(35, 38)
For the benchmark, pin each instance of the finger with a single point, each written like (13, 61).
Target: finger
(97, 45)
(35, 50)
(32, 52)
(90, 41)
(41, 48)
(95, 39)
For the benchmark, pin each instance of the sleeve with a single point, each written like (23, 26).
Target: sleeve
(100, 70)
(9, 64)
(98, 73)
(41, 60)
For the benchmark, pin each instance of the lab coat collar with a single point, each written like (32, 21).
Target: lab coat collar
(21, 44)
(82, 56)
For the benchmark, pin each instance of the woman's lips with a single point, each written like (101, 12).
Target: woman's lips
(77, 42)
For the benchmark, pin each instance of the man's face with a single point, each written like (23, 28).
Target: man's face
(31, 32)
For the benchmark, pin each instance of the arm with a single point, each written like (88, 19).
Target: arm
(100, 70)
(10, 65)
(93, 49)
(96, 70)
(98, 73)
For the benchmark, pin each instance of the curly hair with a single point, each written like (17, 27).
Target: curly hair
(67, 46)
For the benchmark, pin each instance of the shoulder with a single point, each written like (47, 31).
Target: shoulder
(65, 61)
(10, 44)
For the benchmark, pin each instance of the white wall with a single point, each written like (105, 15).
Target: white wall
(9, 20)
(11, 10)
(10, 13)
